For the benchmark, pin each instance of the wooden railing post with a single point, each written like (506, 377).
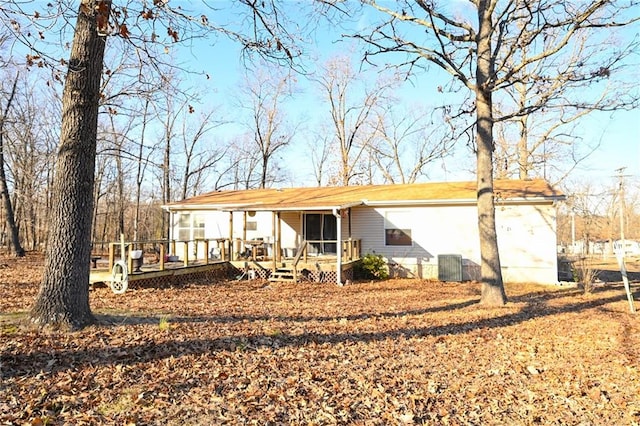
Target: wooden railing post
(222, 245)
(129, 258)
(186, 253)
(305, 244)
(162, 256)
(112, 253)
(206, 252)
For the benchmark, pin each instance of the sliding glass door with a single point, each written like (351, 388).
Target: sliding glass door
(321, 230)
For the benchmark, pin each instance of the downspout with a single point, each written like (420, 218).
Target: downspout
(338, 216)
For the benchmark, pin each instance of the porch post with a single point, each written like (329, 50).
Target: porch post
(337, 213)
(244, 229)
(278, 241)
(231, 236)
(273, 241)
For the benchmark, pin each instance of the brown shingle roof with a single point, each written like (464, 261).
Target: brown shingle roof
(328, 197)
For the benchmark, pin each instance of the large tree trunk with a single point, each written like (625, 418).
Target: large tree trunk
(4, 190)
(63, 300)
(493, 293)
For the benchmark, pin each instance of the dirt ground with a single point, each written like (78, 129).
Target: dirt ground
(372, 353)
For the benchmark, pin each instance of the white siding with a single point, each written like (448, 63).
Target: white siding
(527, 242)
(434, 230)
(291, 229)
(526, 238)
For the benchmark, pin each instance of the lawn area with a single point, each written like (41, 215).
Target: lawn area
(393, 352)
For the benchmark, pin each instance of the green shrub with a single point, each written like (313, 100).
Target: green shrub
(372, 267)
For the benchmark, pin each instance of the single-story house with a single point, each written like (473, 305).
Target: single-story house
(423, 230)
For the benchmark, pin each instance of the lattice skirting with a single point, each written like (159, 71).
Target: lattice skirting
(328, 276)
(307, 275)
(226, 271)
(222, 273)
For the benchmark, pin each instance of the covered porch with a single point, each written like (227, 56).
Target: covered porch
(252, 259)
(276, 242)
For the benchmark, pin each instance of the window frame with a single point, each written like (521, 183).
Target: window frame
(190, 223)
(394, 235)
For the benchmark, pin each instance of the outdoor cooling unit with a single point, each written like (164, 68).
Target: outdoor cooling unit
(450, 267)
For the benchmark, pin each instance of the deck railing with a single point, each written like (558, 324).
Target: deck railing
(164, 251)
(350, 249)
(214, 250)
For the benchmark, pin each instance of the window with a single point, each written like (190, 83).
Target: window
(198, 227)
(184, 226)
(321, 231)
(397, 229)
(190, 226)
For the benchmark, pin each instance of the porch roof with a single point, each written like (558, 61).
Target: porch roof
(327, 198)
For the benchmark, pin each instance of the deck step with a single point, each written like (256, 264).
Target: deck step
(283, 275)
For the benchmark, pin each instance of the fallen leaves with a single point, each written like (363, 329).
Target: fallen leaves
(395, 352)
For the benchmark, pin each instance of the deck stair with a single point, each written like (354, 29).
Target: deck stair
(289, 272)
(285, 273)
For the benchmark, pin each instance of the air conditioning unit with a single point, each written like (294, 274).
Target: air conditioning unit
(450, 267)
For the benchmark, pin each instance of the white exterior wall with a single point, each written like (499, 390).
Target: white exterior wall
(526, 239)
(527, 243)
(291, 230)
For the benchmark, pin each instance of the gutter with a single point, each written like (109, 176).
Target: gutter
(460, 201)
(218, 207)
(258, 206)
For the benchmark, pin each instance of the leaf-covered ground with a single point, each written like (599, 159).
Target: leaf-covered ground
(394, 352)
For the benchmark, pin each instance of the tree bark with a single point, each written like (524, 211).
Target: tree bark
(63, 300)
(493, 293)
(17, 248)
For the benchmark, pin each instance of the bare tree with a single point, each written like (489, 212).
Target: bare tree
(480, 46)
(4, 188)
(142, 161)
(198, 159)
(264, 95)
(354, 114)
(320, 150)
(409, 141)
(549, 99)
(242, 163)
(63, 299)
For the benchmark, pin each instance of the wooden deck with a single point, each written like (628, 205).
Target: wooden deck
(245, 264)
(321, 269)
(150, 271)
